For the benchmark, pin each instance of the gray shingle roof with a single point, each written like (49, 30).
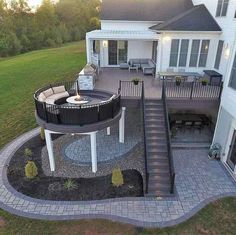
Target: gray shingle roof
(196, 19)
(143, 10)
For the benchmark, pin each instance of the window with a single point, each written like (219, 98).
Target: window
(232, 82)
(194, 53)
(183, 53)
(218, 54)
(222, 7)
(204, 53)
(174, 52)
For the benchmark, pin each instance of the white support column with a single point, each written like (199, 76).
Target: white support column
(122, 126)
(93, 151)
(49, 144)
(108, 131)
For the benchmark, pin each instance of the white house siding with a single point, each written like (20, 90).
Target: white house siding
(126, 25)
(228, 25)
(165, 47)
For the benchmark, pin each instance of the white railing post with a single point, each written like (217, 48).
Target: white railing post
(122, 126)
(93, 151)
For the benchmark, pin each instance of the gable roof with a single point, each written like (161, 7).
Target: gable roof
(196, 19)
(143, 10)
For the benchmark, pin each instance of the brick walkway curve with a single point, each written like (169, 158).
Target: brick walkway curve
(198, 182)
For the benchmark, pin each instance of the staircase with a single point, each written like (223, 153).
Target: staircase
(158, 167)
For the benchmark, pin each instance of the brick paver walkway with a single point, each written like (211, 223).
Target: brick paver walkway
(198, 182)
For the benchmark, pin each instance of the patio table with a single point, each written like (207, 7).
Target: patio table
(179, 74)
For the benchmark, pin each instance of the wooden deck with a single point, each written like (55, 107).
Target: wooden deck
(109, 79)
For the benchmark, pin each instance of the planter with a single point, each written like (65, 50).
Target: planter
(204, 83)
(177, 83)
(136, 83)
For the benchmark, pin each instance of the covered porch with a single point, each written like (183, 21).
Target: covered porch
(109, 48)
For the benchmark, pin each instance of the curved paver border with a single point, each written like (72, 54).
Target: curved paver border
(144, 212)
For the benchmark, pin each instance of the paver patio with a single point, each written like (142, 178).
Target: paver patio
(198, 182)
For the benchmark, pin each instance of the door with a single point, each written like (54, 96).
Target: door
(231, 160)
(112, 52)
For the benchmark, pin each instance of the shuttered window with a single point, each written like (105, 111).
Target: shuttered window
(174, 52)
(183, 53)
(204, 53)
(222, 7)
(232, 82)
(218, 54)
(194, 53)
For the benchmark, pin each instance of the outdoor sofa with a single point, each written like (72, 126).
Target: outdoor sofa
(146, 65)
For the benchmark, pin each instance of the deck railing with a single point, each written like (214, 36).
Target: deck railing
(168, 135)
(128, 89)
(192, 90)
(62, 114)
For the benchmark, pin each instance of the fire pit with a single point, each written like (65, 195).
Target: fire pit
(80, 100)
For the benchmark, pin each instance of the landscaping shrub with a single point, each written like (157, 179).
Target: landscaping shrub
(31, 170)
(117, 177)
(42, 134)
(28, 153)
(70, 185)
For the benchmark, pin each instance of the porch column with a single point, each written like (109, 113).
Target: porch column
(108, 131)
(93, 151)
(122, 126)
(89, 48)
(49, 144)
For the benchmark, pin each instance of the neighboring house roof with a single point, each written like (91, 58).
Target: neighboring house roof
(196, 19)
(143, 10)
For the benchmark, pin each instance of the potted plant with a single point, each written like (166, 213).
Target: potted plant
(178, 81)
(136, 81)
(204, 82)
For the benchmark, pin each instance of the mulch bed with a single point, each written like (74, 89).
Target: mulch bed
(52, 188)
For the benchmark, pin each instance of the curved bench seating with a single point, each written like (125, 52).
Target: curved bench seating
(51, 95)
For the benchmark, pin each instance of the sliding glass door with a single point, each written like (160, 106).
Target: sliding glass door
(231, 160)
(117, 52)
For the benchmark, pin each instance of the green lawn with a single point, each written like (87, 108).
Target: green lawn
(217, 218)
(21, 75)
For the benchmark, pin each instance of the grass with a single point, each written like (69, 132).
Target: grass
(215, 219)
(22, 75)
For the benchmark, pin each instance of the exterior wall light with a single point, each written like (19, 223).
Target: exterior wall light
(227, 51)
(166, 39)
(105, 44)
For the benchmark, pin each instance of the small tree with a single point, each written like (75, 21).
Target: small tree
(117, 177)
(31, 170)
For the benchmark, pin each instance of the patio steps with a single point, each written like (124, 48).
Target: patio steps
(156, 144)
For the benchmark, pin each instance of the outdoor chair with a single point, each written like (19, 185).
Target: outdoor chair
(198, 126)
(188, 125)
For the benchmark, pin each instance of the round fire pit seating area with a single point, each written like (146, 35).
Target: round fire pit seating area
(56, 104)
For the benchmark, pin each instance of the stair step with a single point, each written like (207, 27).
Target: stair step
(159, 178)
(154, 114)
(158, 186)
(154, 109)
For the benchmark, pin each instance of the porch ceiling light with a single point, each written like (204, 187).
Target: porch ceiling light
(105, 44)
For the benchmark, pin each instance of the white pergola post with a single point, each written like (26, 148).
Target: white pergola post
(49, 144)
(122, 126)
(108, 131)
(93, 151)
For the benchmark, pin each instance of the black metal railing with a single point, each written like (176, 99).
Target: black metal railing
(144, 137)
(130, 90)
(168, 136)
(59, 113)
(192, 90)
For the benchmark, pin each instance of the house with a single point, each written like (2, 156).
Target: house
(180, 35)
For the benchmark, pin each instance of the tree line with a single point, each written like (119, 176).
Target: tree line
(24, 29)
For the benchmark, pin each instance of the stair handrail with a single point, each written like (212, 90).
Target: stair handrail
(144, 137)
(168, 135)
